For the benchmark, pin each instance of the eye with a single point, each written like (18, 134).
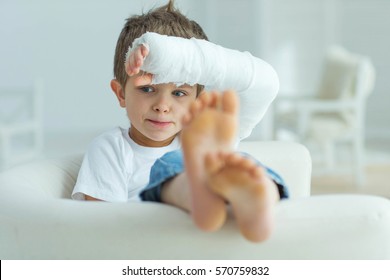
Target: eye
(179, 93)
(146, 89)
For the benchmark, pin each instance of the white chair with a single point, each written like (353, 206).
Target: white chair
(336, 113)
(20, 124)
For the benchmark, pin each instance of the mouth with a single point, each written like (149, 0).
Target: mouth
(159, 124)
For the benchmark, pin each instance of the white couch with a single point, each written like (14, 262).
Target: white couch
(39, 221)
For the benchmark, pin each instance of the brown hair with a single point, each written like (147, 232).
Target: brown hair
(165, 20)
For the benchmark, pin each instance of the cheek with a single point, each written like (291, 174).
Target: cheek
(134, 109)
(183, 108)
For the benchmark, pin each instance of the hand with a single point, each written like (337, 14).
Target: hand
(136, 59)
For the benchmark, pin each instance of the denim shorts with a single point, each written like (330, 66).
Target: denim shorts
(171, 164)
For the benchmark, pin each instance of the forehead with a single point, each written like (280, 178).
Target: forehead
(141, 78)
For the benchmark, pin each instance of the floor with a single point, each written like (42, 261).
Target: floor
(376, 173)
(377, 182)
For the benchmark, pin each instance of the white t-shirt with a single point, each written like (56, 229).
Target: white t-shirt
(115, 168)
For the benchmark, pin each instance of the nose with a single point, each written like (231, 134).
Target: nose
(162, 104)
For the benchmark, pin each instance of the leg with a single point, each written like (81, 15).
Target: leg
(247, 188)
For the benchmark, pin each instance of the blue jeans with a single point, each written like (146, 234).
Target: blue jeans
(171, 164)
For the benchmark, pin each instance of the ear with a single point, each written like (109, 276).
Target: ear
(119, 92)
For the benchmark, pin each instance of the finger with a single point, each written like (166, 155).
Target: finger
(135, 60)
(138, 57)
(144, 50)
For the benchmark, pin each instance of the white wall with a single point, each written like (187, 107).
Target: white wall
(71, 45)
(365, 28)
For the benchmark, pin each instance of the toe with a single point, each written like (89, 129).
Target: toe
(230, 102)
(195, 108)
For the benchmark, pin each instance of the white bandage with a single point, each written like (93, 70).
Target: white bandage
(193, 61)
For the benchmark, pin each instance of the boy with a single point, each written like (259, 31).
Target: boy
(171, 127)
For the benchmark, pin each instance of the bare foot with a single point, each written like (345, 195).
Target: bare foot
(247, 188)
(210, 126)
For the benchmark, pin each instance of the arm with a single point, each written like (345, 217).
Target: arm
(194, 61)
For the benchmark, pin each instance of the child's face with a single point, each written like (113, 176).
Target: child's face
(155, 111)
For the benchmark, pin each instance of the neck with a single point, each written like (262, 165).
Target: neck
(142, 140)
